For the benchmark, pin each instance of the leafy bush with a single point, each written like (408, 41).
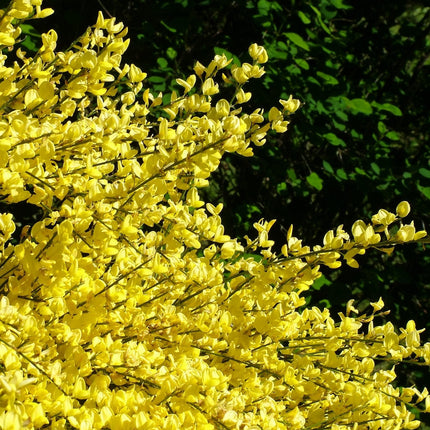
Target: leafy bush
(124, 303)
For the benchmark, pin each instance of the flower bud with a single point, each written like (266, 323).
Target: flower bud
(403, 209)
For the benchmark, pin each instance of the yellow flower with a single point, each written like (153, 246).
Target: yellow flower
(127, 305)
(290, 105)
(258, 53)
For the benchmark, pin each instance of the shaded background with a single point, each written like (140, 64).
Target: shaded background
(360, 142)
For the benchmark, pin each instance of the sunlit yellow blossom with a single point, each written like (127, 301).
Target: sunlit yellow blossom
(128, 305)
(258, 53)
(290, 105)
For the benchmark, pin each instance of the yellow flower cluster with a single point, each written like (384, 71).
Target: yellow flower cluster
(126, 305)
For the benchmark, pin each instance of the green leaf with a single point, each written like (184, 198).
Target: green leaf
(162, 62)
(392, 135)
(302, 63)
(341, 174)
(297, 40)
(314, 180)
(322, 24)
(251, 209)
(263, 7)
(382, 187)
(30, 34)
(381, 127)
(28, 44)
(30, 30)
(274, 52)
(424, 172)
(359, 106)
(327, 166)
(282, 45)
(356, 134)
(388, 107)
(424, 190)
(292, 69)
(292, 174)
(282, 186)
(331, 80)
(312, 80)
(331, 65)
(321, 108)
(171, 53)
(334, 140)
(375, 168)
(305, 19)
(156, 79)
(256, 257)
(320, 282)
(341, 115)
(338, 125)
(166, 97)
(338, 4)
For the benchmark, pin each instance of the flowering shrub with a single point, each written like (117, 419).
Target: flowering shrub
(127, 305)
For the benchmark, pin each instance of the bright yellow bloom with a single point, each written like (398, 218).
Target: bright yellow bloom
(128, 305)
